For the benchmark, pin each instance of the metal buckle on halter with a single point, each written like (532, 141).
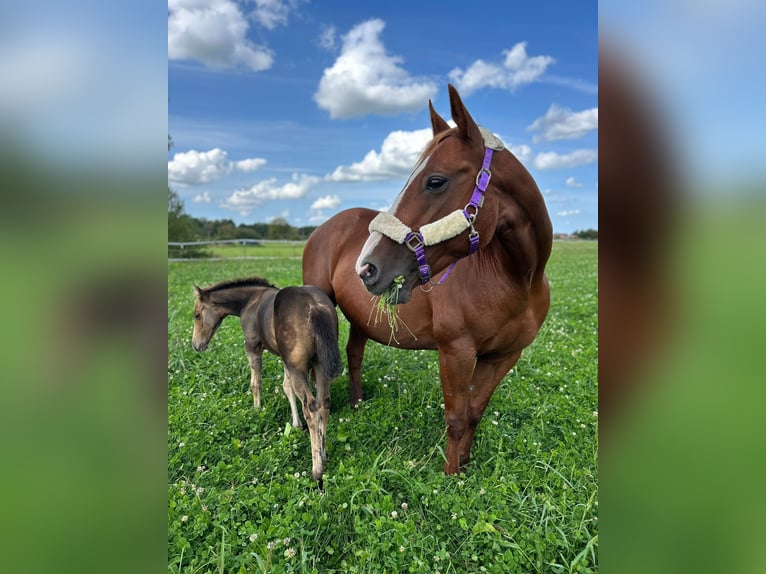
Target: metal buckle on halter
(471, 217)
(482, 179)
(409, 241)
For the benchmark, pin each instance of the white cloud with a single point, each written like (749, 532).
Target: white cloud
(213, 32)
(564, 124)
(572, 182)
(272, 13)
(516, 70)
(202, 198)
(245, 200)
(553, 160)
(317, 212)
(250, 164)
(522, 152)
(196, 167)
(396, 158)
(326, 202)
(568, 212)
(328, 38)
(366, 80)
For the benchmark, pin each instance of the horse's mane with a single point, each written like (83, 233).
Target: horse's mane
(244, 282)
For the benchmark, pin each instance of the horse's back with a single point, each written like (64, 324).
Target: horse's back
(337, 236)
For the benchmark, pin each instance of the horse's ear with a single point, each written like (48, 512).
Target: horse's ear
(437, 122)
(466, 127)
(198, 291)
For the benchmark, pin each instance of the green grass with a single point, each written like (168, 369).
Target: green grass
(240, 494)
(267, 250)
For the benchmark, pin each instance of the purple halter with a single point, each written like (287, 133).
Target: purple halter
(414, 239)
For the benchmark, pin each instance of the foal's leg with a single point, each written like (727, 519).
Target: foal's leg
(315, 419)
(254, 357)
(355, 354)
(486, 376)
(288, 388)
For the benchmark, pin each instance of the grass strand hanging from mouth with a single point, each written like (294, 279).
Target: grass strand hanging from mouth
(386, 305)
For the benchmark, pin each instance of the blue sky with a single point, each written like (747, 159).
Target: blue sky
(300, 109)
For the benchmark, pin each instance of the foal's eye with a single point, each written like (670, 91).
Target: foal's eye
(436, 183)
(197, 315)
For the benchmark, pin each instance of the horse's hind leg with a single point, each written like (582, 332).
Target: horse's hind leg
(288, 388)
(254, 357)
(316, 414)
(355, 354)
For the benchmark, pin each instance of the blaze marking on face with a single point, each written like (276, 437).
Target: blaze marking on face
(415, 172)
(369, 245)
(375, 236)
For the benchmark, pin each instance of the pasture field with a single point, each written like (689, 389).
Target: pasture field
(240, 494)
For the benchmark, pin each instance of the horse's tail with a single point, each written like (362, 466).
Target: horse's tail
(323, 322)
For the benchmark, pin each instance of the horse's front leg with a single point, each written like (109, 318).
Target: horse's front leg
(255, 357)
(456, 368)
(486, 376)
(355, 354)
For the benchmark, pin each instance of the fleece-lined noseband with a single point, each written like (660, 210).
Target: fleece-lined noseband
(447, 227)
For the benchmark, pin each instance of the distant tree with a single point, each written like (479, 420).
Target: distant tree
(182, 227)
(280, 229)
(587, 234)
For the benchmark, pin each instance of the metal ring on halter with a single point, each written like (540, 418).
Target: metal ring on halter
(471, 216)
(430, 286)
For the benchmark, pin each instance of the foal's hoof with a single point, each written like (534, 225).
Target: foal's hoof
(320, 483)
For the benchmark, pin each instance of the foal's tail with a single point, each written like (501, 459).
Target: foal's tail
(324, 324)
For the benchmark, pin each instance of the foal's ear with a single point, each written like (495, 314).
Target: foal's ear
(437, 122)
(198, 291)
(466, 127)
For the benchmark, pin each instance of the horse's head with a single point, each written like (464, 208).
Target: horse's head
(207, 319)
(435, 220)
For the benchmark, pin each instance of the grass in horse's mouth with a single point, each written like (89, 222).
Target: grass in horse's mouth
(386, 305)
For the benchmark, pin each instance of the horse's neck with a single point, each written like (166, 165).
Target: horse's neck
(234, 300)
(523, 236)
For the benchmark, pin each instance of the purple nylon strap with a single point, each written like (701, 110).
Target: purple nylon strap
(414, 240)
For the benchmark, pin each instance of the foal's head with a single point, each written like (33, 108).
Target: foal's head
(434, 202)
(207, 319)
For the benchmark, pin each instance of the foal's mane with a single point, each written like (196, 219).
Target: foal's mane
(245, 282)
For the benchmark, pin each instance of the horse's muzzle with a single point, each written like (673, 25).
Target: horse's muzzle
(370, 275)
(201, 346)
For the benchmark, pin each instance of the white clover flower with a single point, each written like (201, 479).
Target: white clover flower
(482, 491)
(404, 506)
(253, 537)
(401, 549)
(290, 553)
(184, 518)
(454, 516)
(181, 444)
(394, 514)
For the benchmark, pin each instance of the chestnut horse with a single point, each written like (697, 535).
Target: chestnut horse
(298, 324)
(481, 218)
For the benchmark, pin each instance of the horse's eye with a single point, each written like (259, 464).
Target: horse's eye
(436, 183)
(197, 315)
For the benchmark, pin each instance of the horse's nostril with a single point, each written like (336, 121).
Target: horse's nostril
(368, 273)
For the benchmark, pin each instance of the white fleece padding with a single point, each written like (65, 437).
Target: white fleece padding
(445, 228)
(491, 140)
(390, 226)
